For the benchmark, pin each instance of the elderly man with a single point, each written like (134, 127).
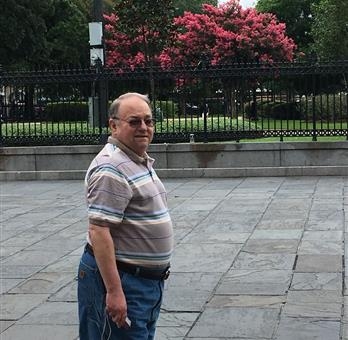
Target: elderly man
(130, 237)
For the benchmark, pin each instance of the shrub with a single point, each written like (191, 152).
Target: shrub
(327, 106)
(69, 111)
(285, 111)
(164, 109)
(216, 107)
(272, 109)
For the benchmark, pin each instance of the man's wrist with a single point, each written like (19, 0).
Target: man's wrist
(115, 288)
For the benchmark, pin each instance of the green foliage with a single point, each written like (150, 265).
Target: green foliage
(70, 111)
(296, 14)
(325, 107)
(50, 129)
(330, 29)
(146, 21)
(273, 110)
(67, 36)
(165, 109)
(23, 32)
(194, 6)
(108, 6)
(196, 124)
(174, 125)
(43, 33)
(298, 125)
(315, 25)
(216, 107)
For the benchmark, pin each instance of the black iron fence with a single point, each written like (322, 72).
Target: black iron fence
(204, 103)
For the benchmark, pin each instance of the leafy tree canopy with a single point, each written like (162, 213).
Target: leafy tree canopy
(330, 29)
(227, 34)
(296, 14)
(23, 31)
(194, 6)
(67, 36)
(138, 31)
(221, 34)
(43, 32)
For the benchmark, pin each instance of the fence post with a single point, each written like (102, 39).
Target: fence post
(314, 116)
(205, 115)
(97, 57)
(103, 103)
(2, 105)
(204, 62)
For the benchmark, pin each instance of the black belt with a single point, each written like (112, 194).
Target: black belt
(146, 273)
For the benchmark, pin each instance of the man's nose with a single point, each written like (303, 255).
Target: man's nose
(143, 124)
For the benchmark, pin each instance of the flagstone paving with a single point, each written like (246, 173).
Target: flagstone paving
(255, 259)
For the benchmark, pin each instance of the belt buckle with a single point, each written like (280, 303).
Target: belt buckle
(166, 274)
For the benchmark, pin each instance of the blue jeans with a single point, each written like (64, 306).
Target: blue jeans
(144, 298)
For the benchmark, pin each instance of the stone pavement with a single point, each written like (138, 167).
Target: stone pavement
(255, 258)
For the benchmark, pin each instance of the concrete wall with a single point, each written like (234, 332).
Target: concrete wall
(190, 160)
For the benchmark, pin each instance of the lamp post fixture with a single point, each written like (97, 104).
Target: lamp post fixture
(96, 34)
(98, 102)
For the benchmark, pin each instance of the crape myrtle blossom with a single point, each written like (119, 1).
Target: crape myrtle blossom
(223, 34)
(228, 34)
(120, 49)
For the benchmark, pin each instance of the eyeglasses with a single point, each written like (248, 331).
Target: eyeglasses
(136, 122)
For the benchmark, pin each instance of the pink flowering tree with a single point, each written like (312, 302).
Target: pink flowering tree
(219, 35)
(121, 50)
(137, 32)
(223, 34)
(228, 34)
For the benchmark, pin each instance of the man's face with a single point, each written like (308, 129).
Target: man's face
(131, 128)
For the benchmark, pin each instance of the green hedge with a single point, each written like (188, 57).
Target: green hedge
(69, 111)
(165, 109)
(327, 107)
(273, 110)
(216, 107)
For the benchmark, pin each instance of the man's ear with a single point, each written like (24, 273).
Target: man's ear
(112, 124)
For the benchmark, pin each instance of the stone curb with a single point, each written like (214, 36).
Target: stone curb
(189, 173)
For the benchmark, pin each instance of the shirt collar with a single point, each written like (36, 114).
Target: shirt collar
(129, 152)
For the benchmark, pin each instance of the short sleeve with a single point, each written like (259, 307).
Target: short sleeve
(108, 195)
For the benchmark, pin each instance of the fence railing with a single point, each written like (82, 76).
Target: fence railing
(208, 103)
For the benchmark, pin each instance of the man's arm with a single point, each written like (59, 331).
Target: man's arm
(104, 252)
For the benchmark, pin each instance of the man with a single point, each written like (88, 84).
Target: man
(130, 237)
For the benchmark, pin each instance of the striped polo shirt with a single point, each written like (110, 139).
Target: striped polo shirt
(124, 194)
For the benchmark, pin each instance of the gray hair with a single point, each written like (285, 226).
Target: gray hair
(115, 105)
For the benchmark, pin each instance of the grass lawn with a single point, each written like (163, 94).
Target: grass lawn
(191, 124)
(296, 139)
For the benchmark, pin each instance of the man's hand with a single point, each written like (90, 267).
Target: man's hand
(104, 252)
(116, 307)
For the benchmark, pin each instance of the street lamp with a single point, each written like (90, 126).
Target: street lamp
(96, 51)
(98, 101)
(96, 34)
